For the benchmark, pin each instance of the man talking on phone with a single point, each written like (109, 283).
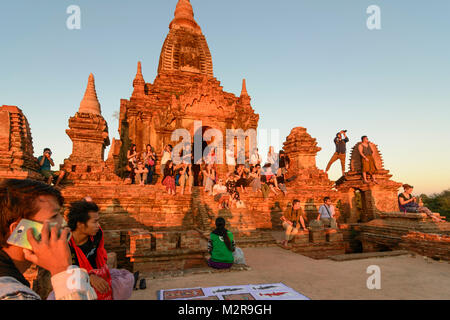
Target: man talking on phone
(41, 203)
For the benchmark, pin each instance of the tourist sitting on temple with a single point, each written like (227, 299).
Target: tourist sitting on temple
(132, 162)
(186, 155)
(408, 203)
(283, 162)
(265, 189)
(368, 165)
(327, 214)
(169, 178)
(269, 178)
(255, 158)
(281, 182)
(211, 158)
(255, 176)
(273, 159)
(292, 220)
(221, 195)
(88, 252)
(241, 174)
(166, 155)
(232, 190)
(40, 203)
(209, 176)
(231, 160)
(45, 163)
(141, 173)
(221, 246)
(150, 162)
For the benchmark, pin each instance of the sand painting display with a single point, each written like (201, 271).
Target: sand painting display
(274, 291)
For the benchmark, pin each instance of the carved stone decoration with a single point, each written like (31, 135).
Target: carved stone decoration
(185, 48)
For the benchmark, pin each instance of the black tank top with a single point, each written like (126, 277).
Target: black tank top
(367, 151)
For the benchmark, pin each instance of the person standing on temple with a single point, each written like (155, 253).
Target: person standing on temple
(367, 161)
(340, 150)
(132, 162)
(45, 163)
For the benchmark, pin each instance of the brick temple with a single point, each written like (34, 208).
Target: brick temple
(152, 231)
(183, 92)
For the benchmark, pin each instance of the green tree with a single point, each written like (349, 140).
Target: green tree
(438, 202)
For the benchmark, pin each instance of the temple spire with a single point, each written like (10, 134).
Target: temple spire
(90, 103)
(139, 79)
(184, 16)
(139, 82)
(244, 89)
(244, 98)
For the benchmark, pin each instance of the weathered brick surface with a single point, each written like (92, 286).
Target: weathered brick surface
(16, 146)
(435, 246)
(392, 229)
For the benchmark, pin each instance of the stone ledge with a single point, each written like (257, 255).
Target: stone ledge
(367, 255)
(194, 271)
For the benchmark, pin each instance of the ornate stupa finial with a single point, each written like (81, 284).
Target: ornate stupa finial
(139, 79)
(184, 16)
(244, 92)
(90, 103)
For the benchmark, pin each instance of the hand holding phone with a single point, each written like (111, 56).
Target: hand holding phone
(52, 251)
(43, 244)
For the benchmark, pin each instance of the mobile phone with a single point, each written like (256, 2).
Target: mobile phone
(19, 236)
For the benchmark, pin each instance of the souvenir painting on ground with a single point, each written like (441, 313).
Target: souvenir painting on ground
(274, 291)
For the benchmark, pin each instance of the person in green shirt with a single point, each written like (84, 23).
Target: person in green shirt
(221, 246)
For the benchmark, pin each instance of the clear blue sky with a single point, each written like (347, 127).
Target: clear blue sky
(307, 63)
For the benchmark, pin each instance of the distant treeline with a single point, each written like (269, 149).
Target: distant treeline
(438, 202)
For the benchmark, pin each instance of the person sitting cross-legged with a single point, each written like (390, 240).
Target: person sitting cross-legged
(141, 173)
(255, 176)
(292, 220)
(221, 246)
(327, 214)
(88, 252)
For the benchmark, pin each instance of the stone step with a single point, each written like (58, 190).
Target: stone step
(367, 255)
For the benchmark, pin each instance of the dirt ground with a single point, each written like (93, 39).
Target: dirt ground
(402, 277)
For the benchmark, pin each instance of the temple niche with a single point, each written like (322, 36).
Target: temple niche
(183, 92)
(16, 146)
(363, 201)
